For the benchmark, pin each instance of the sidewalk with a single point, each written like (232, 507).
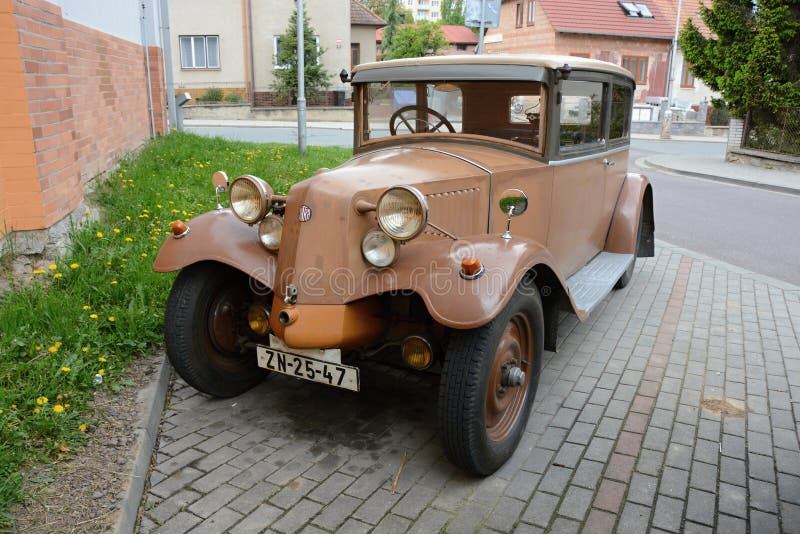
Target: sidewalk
(675, 407)
(713, 168)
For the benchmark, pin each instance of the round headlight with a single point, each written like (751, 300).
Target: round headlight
(378, 248)
(249, 197)
(402, 212)
(269, 232)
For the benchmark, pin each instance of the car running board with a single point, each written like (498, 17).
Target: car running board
(591, 284)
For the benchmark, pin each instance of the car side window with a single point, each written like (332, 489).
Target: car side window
(581, 116)
(620, 120)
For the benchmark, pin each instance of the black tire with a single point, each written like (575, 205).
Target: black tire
(626, 277)
(470, 368)
(206, 357)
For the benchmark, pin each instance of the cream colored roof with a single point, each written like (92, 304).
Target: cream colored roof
(533, 60)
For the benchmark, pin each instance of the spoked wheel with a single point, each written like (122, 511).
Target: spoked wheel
(489, 382)
(207, 337)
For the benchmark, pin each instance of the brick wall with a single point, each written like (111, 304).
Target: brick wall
(267, 99)
(81, 97)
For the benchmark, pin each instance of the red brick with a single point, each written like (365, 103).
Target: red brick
(609, 496)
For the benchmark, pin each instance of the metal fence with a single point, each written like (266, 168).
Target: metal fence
(773, 133)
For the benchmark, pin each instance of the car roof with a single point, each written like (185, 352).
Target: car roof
(527, 60)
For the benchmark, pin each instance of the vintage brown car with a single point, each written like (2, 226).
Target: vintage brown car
(486, 194)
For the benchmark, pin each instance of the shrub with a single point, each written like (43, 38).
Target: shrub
(233, 98)
(214, 94)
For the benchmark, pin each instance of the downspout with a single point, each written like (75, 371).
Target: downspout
(673, 51)
(147, 68)
(250, 53)
(166, 47)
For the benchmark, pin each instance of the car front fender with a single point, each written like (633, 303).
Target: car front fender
(218, 236)
(458, 303)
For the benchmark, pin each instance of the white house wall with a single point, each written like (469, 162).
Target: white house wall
(119, 18)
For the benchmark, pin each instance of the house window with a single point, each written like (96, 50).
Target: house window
(434, 14)
(687, 78)
(410, 3)
(531, 12)
(199, 51)
(638, 67)
(519, 16)
(621, 97)
(355, 54)
(461, 47)
(636, 9)
(434, 3)
(276, 47)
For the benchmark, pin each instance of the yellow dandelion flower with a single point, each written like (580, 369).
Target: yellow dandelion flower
(86, 307)
(112, 318)
(144, 254)
(128, 239)
(13, 406)
(66, 405)
(82, 427)
(65, 369)
(101, 372)
(159, 206)
(87, 213)
(53, 349)
(93, 316)
(57, 276)
(39, 271)
(108, 263)
(37, 411)
(1, 411)
(52, 266)
(114, 282)
(172, 185)
(101, 360)
(59, 396)
(58, 408)
(57, 344)
(128, 217)
(116, 230)
(99, 234)
(85, 349)
(41, 401)
(74, 265)
(38, 347)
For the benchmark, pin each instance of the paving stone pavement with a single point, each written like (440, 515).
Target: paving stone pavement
(618, 441)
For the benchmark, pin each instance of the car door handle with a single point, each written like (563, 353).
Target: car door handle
(609, 162)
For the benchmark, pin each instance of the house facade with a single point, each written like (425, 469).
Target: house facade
(72, 72)
(424, 9)
(636, 35)
(363, 24)
(232, 44)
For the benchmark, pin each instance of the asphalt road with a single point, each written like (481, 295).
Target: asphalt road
(752, 228)
(748, 227)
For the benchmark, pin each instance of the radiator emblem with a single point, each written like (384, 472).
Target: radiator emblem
(305, 213)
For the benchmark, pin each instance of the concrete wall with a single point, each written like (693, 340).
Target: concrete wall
(70, 88)
(365, 36)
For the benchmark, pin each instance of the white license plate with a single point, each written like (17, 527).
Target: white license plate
(333, 374)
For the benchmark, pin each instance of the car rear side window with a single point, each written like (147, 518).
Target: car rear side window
(621, 97)
(581, 116)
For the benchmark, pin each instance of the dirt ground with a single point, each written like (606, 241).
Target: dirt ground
(83, 493)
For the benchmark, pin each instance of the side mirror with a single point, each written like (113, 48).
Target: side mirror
(513, 202)
(220, 182)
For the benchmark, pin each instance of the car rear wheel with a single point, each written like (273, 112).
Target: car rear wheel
(488, 384)
(206, 330)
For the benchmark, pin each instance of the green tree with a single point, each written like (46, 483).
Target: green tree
(752, 56)
(423, 39)
(382, 8)
(316, 78)
(453, 12)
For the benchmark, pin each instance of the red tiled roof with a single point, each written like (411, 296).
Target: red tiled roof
(689, 10)
(606, 17)
(361, 15)
(454, 34)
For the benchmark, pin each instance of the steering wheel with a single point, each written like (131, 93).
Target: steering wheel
(399, 116)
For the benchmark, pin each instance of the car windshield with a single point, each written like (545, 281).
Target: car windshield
(511, 111)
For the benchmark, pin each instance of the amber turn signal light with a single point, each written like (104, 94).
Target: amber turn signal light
(417, 353)
(179, 229)
(471, 268)
(258, 319)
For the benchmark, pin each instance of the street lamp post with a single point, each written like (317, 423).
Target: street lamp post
(301, 80)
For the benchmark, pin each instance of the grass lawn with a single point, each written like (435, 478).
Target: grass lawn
(82, 319)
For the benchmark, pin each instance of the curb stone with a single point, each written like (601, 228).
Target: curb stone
(147, 429)
(646, 163)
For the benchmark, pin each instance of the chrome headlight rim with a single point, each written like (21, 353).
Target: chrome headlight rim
(271, 219)
(264, 192)
(419, 197)
(379, 234)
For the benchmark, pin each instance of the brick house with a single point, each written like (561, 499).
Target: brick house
(70, 75)
(598, 29)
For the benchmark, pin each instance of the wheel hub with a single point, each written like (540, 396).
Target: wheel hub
(513, 376)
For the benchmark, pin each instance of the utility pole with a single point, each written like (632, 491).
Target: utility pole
(483, 27)
(666, 120)
(301, 80)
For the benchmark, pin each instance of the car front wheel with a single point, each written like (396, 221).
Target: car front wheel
(206, 333)
(488, 384)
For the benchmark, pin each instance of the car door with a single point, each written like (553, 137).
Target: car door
(577, 228)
